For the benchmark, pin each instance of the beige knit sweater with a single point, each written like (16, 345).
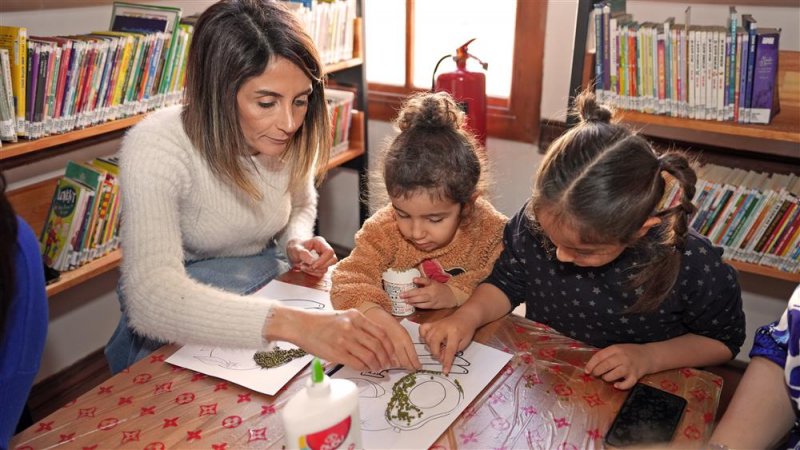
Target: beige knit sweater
(175, 209)
(380, 246)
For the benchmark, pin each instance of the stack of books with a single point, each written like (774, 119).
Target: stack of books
(83, 222)
(753, 216)
(715, 72)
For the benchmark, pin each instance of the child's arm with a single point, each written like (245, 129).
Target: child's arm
(356, 280)
(627, 363)
(447, 336)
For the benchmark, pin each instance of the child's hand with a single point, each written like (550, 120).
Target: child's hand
(446, 337)
(313, 256)
(405, 354)
(624, 362)
(430, 295)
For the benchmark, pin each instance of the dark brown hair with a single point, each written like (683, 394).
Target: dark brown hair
(606, 181)
(233, 41)
(433, 152)
(8, 244)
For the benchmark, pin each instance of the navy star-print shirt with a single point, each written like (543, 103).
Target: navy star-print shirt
(589, 303)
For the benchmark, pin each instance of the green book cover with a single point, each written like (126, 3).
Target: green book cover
(55, 234)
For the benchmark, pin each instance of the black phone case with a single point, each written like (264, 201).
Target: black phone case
(647, 416)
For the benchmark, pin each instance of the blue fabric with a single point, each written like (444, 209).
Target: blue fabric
(26, 329)
(240, 275)
(780, 343)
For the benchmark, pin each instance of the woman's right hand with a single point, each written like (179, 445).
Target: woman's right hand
(405, 353)
(341, 337)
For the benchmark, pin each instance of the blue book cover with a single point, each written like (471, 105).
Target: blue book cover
(765, 71)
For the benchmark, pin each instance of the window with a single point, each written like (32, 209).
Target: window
(424, 31)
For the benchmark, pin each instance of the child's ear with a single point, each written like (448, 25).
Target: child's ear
(466, 208)
(649, 223)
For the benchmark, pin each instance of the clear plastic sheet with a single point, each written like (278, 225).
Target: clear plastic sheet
(541, 400)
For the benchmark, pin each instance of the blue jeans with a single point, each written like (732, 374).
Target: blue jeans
(240, 275)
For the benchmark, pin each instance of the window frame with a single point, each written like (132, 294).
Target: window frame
(515, 118)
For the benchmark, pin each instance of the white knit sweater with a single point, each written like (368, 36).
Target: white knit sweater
(175, 209)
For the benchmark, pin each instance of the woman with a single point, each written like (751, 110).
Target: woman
(214, 191)
(23, 315)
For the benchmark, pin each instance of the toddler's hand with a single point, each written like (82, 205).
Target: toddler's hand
(446, 337)
(623, 363)
(430, 294)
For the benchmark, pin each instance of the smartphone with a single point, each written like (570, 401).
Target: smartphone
(648, 416)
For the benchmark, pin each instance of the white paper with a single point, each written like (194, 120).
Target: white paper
(237, 365)
(440, 399)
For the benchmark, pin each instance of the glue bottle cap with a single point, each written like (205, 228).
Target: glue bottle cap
(317, 375)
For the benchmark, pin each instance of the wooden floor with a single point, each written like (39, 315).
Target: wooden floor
(55, 391)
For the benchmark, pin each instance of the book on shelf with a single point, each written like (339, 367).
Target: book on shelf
(84, 214)
(15, 40)
(765, 103)
(753, 216)
(144, 18)
(8, 118)
(685, 70)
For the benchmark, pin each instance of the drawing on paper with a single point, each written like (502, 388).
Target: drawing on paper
(417, 398)
(234, 359)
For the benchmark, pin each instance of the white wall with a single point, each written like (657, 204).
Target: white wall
(514, 163)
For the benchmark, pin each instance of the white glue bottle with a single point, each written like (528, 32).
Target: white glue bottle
(324, 414)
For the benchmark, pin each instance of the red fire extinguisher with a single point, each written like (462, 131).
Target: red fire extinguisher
(467, 88)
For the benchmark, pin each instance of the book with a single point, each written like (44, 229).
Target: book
(15, 40)
(751, 27)
(8, 116)
(60, 219)
(139, 18)
(764, 102)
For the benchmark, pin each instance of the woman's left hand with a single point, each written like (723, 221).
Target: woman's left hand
(313, 256)
(623, 364)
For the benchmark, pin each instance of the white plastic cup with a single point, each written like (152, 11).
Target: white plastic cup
(395, 282)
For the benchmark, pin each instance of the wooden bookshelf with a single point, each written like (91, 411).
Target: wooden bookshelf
(764, 271)
(780, 138)
(85, 272)
(356, 146)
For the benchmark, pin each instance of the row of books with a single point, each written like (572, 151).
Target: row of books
(753, 216)
(66, 82)
(83, 221)
(340, 107)
(330, 24)
(701, 72)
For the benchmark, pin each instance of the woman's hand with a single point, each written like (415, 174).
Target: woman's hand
(623, 363)
(430, 294)
(313, 256)
(342, 337)
(448, 336)
(405, 353)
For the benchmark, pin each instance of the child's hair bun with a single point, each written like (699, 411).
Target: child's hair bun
(590, 110)
(430, 110)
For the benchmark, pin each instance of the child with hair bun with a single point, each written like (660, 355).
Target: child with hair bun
(435, 220)
(591, 256)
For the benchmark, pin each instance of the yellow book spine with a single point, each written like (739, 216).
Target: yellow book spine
(15, 39)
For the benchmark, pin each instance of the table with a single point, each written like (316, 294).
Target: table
(541, 399)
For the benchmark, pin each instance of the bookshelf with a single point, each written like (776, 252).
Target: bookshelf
(32, 202)
(768, 148)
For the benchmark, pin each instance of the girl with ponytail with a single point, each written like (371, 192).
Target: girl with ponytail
(591, 256)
